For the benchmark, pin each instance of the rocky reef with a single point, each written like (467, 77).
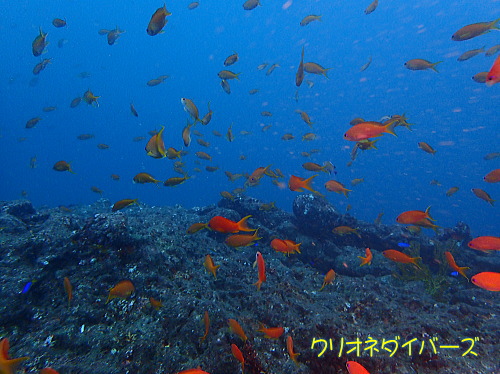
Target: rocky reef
(95, 249)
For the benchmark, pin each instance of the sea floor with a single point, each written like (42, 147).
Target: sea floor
(392, 318)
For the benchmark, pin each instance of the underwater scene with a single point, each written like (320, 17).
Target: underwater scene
(254, 187)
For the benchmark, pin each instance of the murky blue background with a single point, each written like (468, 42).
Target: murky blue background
(454, 114)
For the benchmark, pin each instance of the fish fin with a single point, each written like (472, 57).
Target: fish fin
(414, 262)
(462, 269)
(494, 25)
(389, 128)
(427, 212)
(242, 224)
(433, 66)
(309, 180)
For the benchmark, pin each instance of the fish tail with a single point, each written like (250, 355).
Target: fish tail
(242, 224)
(307, 182)
(258, 284)
(389, 128)
(364, 261)
(433, 66)
(494, 25)
(462, 269)
(414, 262)
(325, 72)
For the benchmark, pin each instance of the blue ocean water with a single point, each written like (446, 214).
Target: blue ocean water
(454, 114)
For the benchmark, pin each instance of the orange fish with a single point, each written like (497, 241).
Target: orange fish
(426, 148)
(226, 226)
(195, 227)
(239, 356)
(206, 320)
(485, 243)
(271, 332)
(123, 204)
(412, 217)
(69, 290)
(337, 187)
(158, 21)
(494, 73)
(366, 130)
(156, 304)
(488, 280)
(355, 368)
(256, 176)
(427, 224)
(8, 365)
(48, 371)
(241, 240)
(63, 166)
(368, 259)
(453, 264)
(145, 178)
(155, 146)
(346, 230)
(421, 64)
(483, 195)
(475, 29)
(210, 266)
(329, 278)
(492, 176)
(298, 184)
(401, 257)
(285, 246)
(122, 290)
(261, 266)
(289, 347)
(237, 329)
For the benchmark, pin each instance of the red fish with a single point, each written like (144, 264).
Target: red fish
(366, 130)
(239, 356)
(401, 257)
(355, 368)
(261, 265)
(454, 266)
(412, 217)
(8, 365)
(271, 332)
(226, 226)
(485, 243)
(193, 371)
(494, 73)
(488, 280)
(48, 371)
